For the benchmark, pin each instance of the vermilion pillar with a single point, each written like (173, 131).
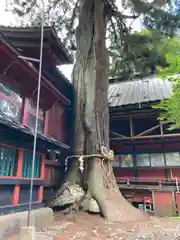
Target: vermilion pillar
(42, 175)
(178, 202)
(46, 123)
(18, 172)
(24, 112)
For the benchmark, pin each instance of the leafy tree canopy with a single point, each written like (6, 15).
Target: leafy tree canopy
(63, 14)
(145, 53)
(170, 108)
(170, 47)
(138, 57)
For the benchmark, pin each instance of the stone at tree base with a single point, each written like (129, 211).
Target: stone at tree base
(10, 224)
(93, 206)
(74, 194)
(69, 196)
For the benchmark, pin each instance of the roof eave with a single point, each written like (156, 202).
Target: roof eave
(49, 33)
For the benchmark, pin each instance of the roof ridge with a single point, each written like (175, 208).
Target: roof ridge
(145, 79)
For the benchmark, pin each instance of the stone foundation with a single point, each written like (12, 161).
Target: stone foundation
(11, 224)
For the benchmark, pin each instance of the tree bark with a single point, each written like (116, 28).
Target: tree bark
(90, 80)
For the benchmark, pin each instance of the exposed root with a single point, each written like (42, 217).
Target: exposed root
(84, 204)
(104, 189)
(114, 207)
(102, 196)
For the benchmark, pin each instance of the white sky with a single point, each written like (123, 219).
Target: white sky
(7, 18)
(4, 16)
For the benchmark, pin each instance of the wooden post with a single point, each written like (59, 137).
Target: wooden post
(46, 123)
(18, 173)
(42, 171)
(133, 145)
(42, 175)
(24, 112)
(131, 127)
(161, 129)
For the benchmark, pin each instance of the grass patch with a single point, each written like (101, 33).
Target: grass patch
(174, 218)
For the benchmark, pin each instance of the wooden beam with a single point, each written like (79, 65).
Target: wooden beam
(148, 130)
(118, 134)
(134, 115)
(131, 126)
(46, 123)
(26, 44)
(147, 137)
(161, 129)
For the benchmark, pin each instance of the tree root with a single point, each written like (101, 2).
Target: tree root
(114, 207)
(104, 189)
(84, 204)
(102, 196)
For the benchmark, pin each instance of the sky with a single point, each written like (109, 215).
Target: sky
(4, 16)
(7, 18)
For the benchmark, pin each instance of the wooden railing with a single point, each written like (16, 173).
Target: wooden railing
(149, 181)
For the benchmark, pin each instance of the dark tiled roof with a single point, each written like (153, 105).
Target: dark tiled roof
(138, 91)
(22, 34)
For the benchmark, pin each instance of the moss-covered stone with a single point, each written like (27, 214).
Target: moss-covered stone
(70, 195)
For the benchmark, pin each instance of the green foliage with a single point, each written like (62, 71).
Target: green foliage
(170, 108)
(145, 53)
(139, 56)
(63, 14)
(171, 49)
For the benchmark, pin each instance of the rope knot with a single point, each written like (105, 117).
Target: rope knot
(108, 155)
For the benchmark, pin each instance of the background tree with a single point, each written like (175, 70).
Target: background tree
(169, 108)
(138, 57)
(170, 47)
(145, 53)
(97, 19)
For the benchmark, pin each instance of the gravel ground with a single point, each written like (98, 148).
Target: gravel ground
(92, 227)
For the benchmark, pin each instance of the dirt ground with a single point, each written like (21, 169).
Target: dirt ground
(92, 227)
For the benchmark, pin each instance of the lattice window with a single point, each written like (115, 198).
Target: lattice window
(172, 159)
(7, 161)
(157, 160)
(31, 108)
(32, 121)
(143, 160)
(126, 160)
(27, 165)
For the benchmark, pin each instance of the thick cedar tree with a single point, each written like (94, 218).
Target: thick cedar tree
(86, 24)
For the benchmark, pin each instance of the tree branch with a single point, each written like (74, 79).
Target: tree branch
(114, 13)
(130, 17)
(73, 14)
(113, 28)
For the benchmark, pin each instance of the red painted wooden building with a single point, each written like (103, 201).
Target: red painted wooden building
(18, 92)
(147, 164)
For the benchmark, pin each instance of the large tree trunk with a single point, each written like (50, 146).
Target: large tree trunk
(90, 79)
